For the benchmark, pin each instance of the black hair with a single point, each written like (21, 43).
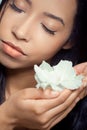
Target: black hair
(2, 3)
(2, 84)
(77, 118)
(2, 68)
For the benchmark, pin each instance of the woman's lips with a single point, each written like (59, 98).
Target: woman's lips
(12, 50)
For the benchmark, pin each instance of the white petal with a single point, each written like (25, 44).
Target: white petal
(46, 66)
(57, 77)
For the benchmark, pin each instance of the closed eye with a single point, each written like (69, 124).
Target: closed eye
(14, 7)
(52, 32)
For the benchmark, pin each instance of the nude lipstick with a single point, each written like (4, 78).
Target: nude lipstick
(12, 50)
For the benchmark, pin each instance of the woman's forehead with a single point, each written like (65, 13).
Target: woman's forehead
(50, 3)
(63, 8)
(53, 2)
(54, 6)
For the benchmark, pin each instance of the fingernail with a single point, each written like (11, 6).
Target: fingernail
(55, 93)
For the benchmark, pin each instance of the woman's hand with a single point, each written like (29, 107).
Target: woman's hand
(13, 109)
(36, 109)
(82, 69)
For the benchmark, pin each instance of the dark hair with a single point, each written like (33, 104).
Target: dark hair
(2, 69)
(77, 118)
(2, 3)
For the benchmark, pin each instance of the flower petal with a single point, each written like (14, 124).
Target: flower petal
(57, 77)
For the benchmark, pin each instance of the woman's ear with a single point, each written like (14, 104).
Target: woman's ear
(68, 45)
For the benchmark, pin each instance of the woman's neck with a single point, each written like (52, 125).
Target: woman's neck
(19, 79)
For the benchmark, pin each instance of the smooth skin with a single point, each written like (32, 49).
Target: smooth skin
(39, 32)
(24, 108)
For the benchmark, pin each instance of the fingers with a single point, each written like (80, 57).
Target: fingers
(60, 112)
(84, 84)
(53, 105)
(72, 97)
(34, 93)
(83, 93)
(47, 125)
(50, 111)
(69, 108)
(80, 68)
(47, 104)
(63, 106)
(41, 106)
(56, 105)
(61, 116)
(47, 110)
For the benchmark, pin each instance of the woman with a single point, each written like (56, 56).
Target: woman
(27, 29)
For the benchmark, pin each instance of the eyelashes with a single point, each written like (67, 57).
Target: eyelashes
(48, 30)
(17, 9)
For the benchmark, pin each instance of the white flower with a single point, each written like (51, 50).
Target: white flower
(57, 77)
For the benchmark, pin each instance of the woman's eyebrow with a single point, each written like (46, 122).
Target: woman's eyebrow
(59, 19)
(29, 2)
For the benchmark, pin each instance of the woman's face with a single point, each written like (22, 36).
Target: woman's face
(34, 30)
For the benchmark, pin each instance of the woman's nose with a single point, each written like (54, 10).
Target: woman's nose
(22, 31)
